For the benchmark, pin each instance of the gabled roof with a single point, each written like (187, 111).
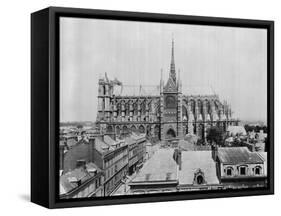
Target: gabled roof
(68, 181)
(238, 155)
(130, 140)
(108, 144)
(108, 140)
(160, 167)
(101, 146)
(135, 137)
(135, 90)
(195, 160)
(170, 86)
(263, 155)
(138, 136)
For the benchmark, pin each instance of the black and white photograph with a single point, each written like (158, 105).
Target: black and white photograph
(151, 107)
(140, 108)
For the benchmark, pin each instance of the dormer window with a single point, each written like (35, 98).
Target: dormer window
(243, 170)
(257, 170)
(199, 179)
(229, 171)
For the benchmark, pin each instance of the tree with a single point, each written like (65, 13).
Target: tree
(249, 128)
(215, 135)
(79, 126)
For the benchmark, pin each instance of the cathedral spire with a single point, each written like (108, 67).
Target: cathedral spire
(179, 84)
(173, 67)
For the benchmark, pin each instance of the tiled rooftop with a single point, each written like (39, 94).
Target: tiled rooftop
(101, 146)
(160, 167)
(68, 181)
(108, 140)
(154, 90)
(129, 90)
(194, 160)
(235, 155)
(130, 140)
(263, 155)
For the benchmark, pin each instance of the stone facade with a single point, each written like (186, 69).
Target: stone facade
(162, 111)
(112, 158)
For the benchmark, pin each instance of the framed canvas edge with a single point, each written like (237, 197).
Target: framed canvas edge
(40, 171)
(54, 12)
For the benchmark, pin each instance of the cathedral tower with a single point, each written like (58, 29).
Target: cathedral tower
(104, 98)
(171, 126)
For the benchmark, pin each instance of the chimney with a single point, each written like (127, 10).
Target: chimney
(92, 141)
(180, 160)
(102, 137)
(177, 157)
(214, 152)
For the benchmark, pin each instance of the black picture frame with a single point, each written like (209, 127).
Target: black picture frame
(45, 104)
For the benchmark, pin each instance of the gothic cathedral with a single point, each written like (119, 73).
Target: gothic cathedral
(162, 112)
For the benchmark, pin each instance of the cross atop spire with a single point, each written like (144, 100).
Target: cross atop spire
(173, 67)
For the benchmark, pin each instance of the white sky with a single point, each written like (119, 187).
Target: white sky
(230, 60)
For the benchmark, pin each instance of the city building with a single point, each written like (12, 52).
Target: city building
(137, 150)
(83, 181)
(198, 171)
(173, 169)
(70, 139)
(112, 157)
(132, 154)
(71, 156)
(238, 167)
(141, 140)
(159, 174)
(165, 111)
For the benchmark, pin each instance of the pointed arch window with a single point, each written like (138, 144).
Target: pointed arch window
(143, 107)
(119, 111)
(104, 90)
(127, 108)
(135, 108)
